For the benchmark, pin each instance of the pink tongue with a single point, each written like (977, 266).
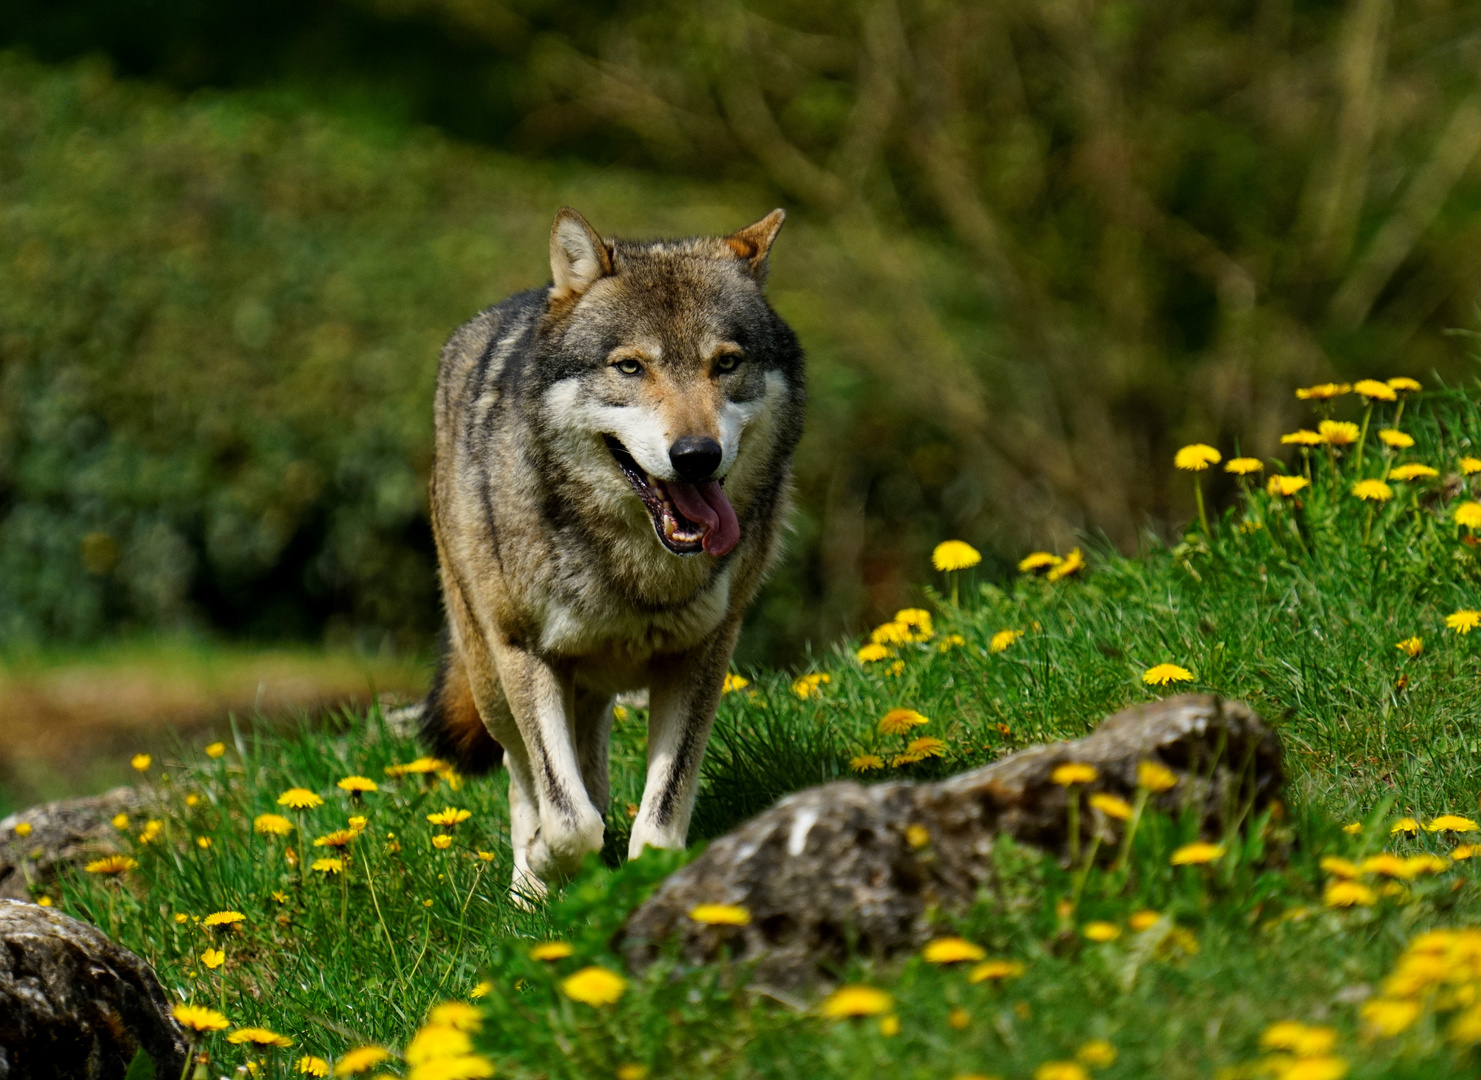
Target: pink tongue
(706, 505)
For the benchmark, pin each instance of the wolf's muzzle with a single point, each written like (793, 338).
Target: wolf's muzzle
(695, 457)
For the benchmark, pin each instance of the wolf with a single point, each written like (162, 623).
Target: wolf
(611, 477)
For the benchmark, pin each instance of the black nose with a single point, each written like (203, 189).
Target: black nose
(695, 457)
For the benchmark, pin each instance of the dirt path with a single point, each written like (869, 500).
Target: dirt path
(68, 724)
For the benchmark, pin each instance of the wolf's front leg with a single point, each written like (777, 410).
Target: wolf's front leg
(683, 696)
(544, 771)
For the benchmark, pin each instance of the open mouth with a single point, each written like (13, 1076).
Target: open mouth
(688, 518)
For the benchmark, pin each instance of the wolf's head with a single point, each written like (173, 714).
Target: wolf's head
(666, 375)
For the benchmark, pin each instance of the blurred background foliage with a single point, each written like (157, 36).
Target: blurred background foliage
(1033, 248)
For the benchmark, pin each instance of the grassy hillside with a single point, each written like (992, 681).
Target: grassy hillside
(1344, 620)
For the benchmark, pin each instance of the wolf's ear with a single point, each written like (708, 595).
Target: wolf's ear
(578, 256)
(754, 242)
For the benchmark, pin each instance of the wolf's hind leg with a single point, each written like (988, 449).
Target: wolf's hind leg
(526, 888)
(593, 744)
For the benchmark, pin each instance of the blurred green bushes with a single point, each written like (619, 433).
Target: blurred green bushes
(1033, 249)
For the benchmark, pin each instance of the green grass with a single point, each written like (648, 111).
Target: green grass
(1284, 606)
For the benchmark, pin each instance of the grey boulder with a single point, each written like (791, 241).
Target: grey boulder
(849, 866)
(74, 1005)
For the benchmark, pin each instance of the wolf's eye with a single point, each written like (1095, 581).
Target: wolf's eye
(726, 362)
(628, 366)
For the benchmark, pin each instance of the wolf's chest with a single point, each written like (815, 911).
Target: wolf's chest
(603, 629)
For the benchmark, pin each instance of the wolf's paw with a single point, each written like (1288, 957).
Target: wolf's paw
(560, 846)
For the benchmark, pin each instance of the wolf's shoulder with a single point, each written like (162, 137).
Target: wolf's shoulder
(479, 350)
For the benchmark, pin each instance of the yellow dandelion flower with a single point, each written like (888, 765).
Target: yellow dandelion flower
(1101, 931)
(43, 901)
(1163, 674)
(1338, 867)
(1154, 776)
(955, 555)
(23, 829)
(121, 822)
(1373, 491)
(1404, 825)
(811, 685)
(215, 749)
(1413, 472)
(1388, 864)
(203, 842)
(1197, 853)
(442, 841)
(1374, 390)
(213, 958)
(1410, 646)
(1315, 1068)
(1196, 457)
(1470, 465)
(151, 830)
(259, 1036)
(434, 1041)
(111, 864)
(480, 990)
(872, 653)
(1352, 828)
(1073, 772)
(141, 762)
(337, 839)
(357, 784)
(458, 1067)
(456, 1014)
(199, 1018)
(450, 816)
(594, 986)
(632, 1071)
(1462, 852)
(1298, 1038)
(1387, 1017)
(1002, 639)
(927, 746)
(1415, 865)
(906, 759)
(328, 866)
(1242, 466)
(1302, 437)
(734, 682)
(1073, 563)
(1324, 391)
(1395, 439)
(890, 633)
(1452, 823)
(1061, 1070)
(848, 1001)
(223, 918)
(1111, 806)
(360, 1060)
(308, 1065)
(952, 950)
(420, 767)
(1039, 560)
(720, 915)
(272, 824)
(995, 970)
(1143, 920)
(918, 619)
(489, 856)
(889, 1026)
(1468, 514)
(1338, 432)
(865, 762)
(1464, 621)
(1097, 1053)
(1405, 385)
(899, 721)
(1349, 894)
(1280, 484)
(552, 950)
(895, 669)
(299, 799)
